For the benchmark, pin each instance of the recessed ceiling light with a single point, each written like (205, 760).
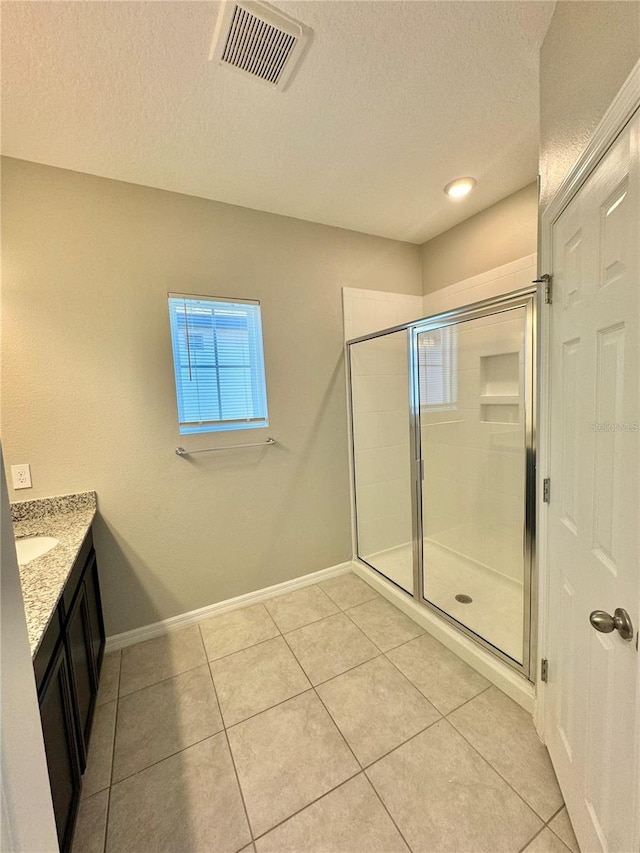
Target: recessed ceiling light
(460, 187)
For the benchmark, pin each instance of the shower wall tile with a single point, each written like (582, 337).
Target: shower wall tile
(397, 529)
(475, 470)
(495, 282)
(440, 460)
(369, 504)
(524, 277)
(364, 317)
(378, 500)
(483, 524)
(366, 425)
(366, 311)
(392, 392)
(365, 465)
(448, 505)
(381, 416)
(364, 390)
(393, 428)
(477, 467)
(388, 463)
(506, 474)
(469, 384)
(376, 535)
(365, 360)
(380, 393)
(478, 342)
(393, 355)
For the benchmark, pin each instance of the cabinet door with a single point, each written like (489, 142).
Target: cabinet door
(83, 676)
(58, 729)
(95, 614)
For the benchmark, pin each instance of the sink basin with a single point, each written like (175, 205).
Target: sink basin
(30, 547)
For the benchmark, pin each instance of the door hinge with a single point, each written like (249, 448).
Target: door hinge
(544, 670)
(546, 279)
(546, 490)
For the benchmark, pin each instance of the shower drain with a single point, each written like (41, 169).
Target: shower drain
(464, 599)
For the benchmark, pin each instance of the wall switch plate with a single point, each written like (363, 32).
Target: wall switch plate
(21, 476)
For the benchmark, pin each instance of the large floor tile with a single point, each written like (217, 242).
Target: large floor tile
(329, 647)
(239, 629)
(503, 733)
(287, 757)
(348, 590)
(151, 661)
(188, 802)
(350, 819)
(91, 824)
(445, 797)
(97, 776)
(376, 708)
(445, 679)
(384, 624)
(561, 825)
(109, 678)
(546, 842)
(157, 721)
(257, 678)
(300, 607)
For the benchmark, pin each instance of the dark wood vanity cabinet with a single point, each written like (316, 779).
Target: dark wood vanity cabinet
(59, 732)
(67, 669)
(83, 674)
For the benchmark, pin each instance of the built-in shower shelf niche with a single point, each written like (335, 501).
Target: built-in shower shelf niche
(500, 411)
(500, 388)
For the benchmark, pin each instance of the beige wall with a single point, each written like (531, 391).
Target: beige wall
(502, 233)
(88, 394)
(589, 51)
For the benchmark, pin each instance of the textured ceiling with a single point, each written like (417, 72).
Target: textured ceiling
(392, 101)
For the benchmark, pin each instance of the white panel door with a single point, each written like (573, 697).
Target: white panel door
(592, 721)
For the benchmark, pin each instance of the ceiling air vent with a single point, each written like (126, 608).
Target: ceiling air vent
(257, 39)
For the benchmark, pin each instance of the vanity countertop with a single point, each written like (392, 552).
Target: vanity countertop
(67, 518)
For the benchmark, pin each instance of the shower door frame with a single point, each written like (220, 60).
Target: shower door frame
(526, 298)
(529, 299)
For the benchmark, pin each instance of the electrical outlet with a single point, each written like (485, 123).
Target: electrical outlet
(21, 476)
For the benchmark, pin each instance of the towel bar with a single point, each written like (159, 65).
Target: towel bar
(181, 451)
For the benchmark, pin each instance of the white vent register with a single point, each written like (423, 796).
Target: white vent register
(257, 39)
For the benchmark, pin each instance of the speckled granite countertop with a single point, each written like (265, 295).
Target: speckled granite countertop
(68, 518)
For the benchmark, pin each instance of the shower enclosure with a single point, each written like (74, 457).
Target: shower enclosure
(443, 415)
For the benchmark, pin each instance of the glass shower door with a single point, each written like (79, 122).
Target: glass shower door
(381, 431)
(474, 421)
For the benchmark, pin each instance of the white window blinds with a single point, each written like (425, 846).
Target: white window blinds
(438, 368)
(218, 361)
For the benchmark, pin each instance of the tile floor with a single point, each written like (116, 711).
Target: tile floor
(324, 720)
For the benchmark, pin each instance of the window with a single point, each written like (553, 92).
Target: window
(218, 362)
(438, 368)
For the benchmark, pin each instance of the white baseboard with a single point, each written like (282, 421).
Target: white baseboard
(520, 690)
(157, 629)
(494, 670)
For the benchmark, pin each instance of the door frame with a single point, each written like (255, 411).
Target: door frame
(625, 104)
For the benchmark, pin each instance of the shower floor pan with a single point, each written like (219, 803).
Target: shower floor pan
(496, 609)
